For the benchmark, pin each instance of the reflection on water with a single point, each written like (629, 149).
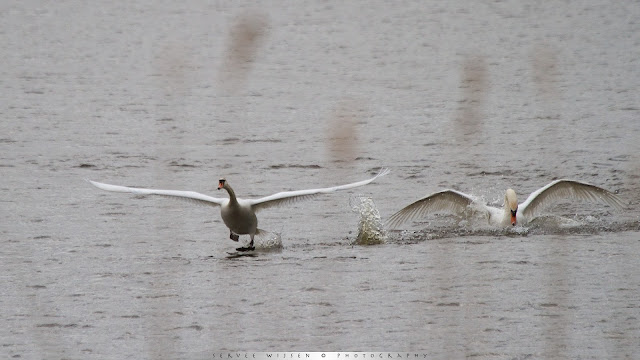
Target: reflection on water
(464, 95)
(245, 37)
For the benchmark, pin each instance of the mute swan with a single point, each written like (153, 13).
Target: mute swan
(451, 201)
(239, 215)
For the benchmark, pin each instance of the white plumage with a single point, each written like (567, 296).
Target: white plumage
(455, 202)
(239, 215)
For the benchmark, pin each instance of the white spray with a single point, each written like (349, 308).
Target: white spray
(370, 227)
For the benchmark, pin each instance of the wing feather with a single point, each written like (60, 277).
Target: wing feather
(563, 189)
(290, 197)
(185, 195)
(447, 201)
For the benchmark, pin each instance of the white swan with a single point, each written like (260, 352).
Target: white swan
(239, 215)
(451, 201)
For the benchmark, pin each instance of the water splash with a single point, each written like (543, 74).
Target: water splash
(370, 227)
(268, 241)
(448, 227)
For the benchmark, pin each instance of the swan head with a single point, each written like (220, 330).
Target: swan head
(221, 183)
(511, 203)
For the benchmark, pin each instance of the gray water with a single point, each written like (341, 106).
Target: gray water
(475, 96)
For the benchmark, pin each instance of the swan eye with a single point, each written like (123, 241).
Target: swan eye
(513, 212)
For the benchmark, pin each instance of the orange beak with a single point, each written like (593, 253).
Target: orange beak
(513, 219)
(220, 185)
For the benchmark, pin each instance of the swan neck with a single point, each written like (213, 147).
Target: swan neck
(510, 200)
(232, 194)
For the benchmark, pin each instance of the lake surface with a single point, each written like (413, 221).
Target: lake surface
(276, 96)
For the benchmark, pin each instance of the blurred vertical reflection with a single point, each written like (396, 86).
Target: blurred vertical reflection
(245, 37)
(544, 71)
(474, 84)
(342, 133)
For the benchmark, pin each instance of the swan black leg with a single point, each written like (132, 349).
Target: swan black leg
(234, 237)
(248, 248)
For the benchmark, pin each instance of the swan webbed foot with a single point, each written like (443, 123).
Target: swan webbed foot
(248, 248)
(234, 237)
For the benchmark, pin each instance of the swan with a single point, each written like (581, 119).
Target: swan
(239, 215)
(452, 201)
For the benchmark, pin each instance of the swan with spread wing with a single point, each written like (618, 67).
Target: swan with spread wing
(239, 215)
(455, 202)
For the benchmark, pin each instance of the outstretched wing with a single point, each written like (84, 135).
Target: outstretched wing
(289, 197)
(186, 195)
(448, 201)
(567, 189)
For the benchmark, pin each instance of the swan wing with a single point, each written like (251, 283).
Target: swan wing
(448, 201)
(563, 189)
(290, 197)
(187, 195)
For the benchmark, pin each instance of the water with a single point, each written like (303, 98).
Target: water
(371, 230)
(476, 97)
